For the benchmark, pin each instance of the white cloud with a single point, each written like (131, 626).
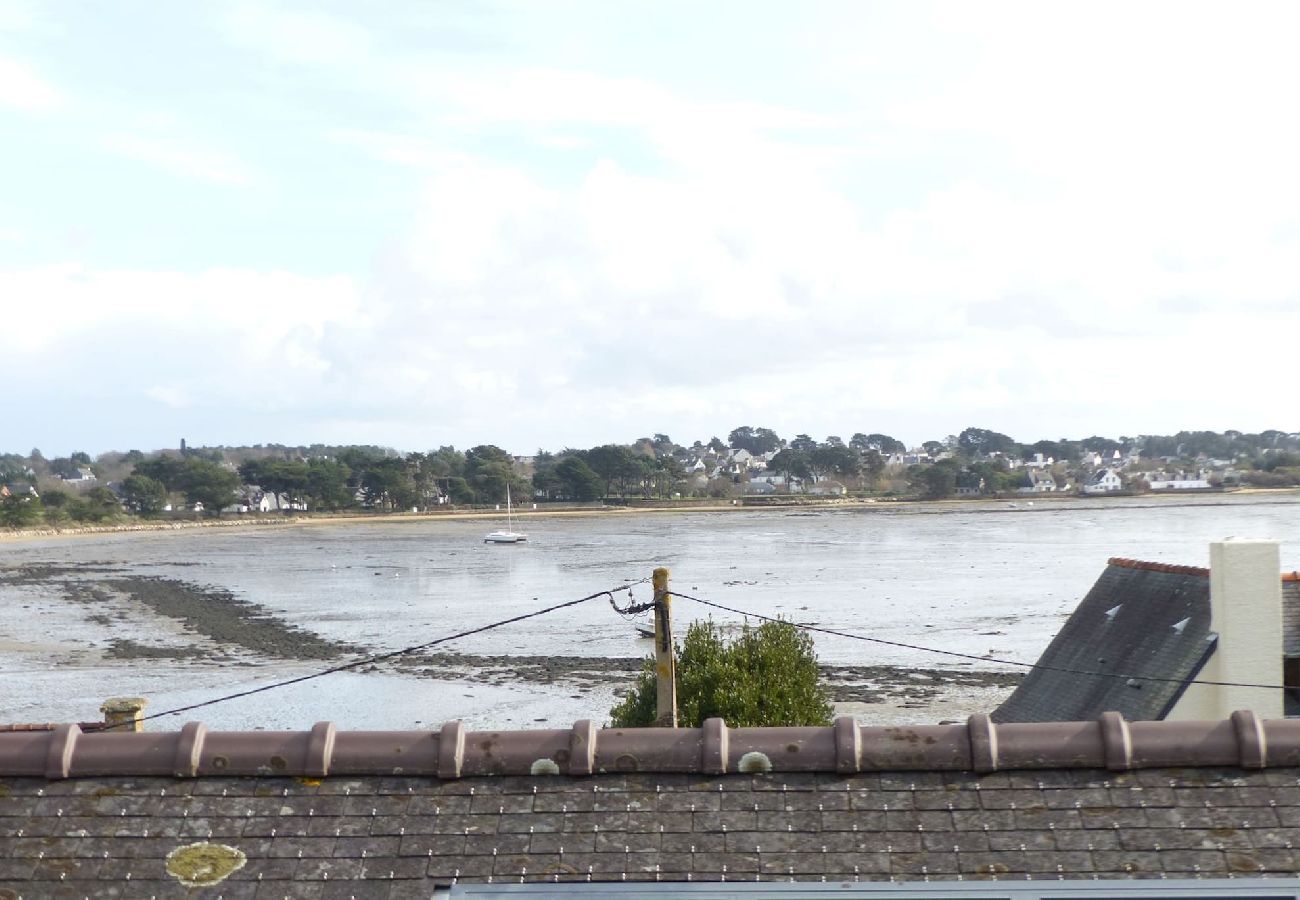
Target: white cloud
(295, 36)
(22, 88)
(222, 339)
(179, 158)
(1019, 217)
(401, 149)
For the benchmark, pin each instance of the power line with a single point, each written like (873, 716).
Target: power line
(986, 659)
(369, 660)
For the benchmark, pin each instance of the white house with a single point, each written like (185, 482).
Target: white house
(1179, 481)
(265, 501)
(1037, 481)
(1106, 481)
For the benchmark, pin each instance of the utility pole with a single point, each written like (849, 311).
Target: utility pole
(665, 664)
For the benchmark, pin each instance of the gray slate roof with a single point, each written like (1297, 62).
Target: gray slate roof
(395, 836)
(1144, 619)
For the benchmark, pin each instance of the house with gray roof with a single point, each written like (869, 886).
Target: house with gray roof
(1148, 636)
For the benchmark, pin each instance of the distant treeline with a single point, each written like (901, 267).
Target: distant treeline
(326, 477)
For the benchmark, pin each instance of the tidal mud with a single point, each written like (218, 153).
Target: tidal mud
(116, 598)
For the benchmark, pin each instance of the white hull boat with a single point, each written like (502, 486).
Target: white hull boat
(509, 536)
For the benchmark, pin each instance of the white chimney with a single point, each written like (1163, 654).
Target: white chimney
(1246, 613)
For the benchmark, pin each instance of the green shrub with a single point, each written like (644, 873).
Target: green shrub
(766, 676)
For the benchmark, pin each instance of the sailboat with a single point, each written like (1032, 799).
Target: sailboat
(509, 536)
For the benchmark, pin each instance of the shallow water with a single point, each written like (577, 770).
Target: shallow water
(983, 579)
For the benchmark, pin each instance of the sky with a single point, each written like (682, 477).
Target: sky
(557, 224)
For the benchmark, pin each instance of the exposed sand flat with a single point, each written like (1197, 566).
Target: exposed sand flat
(1020, 504)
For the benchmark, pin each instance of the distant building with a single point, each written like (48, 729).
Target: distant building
(1037, 481)
(1178, 481)
(1105, 481)
(969, 484)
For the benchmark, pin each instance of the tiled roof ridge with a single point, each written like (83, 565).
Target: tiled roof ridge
(46, 726)
(1125, 563)
(978, 745)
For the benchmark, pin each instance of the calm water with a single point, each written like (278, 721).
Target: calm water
(984, 579)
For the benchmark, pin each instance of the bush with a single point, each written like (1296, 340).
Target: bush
(767, 676)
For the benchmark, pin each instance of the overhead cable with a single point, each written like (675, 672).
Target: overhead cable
(985, 659)
(369, 660)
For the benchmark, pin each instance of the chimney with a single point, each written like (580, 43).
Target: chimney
(123, 713)
(1246, 613)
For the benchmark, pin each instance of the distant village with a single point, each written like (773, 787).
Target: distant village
(752, 464)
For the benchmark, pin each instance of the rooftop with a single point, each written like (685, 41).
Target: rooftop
(395, 814)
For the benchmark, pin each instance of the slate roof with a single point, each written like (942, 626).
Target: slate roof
(399, 836)
(1105, 799)
(1144, 619)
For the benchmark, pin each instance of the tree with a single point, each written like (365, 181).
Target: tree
(793, 464)
(546, 483)
(981, 442)
(935, 482)
(668, 475)
(576, 480)
(488, 469)
(143, 495)
(884, 443)
(327, 484)
(835, 459)
(63, 467)
(387, 482)
(766, 677)
(277, 476)
(20, 511)
(873, 466)
(167, 470)
(803, 443)
(99, 505)
(54, 498)
(609, 462)
(756, 440)
(206, 482)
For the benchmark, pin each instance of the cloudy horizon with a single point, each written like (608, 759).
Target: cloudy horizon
(548, 225)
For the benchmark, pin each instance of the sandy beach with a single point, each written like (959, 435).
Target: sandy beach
(981, 504)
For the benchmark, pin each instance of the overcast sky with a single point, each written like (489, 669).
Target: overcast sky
(550, 224)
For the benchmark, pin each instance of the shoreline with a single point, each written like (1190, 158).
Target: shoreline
(1009, 504)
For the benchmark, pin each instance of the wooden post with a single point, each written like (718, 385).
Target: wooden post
(665, 663)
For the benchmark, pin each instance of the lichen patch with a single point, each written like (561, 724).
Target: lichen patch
(198, 865)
